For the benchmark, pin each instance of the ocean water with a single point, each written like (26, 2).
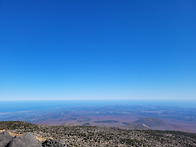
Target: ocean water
(14, 106)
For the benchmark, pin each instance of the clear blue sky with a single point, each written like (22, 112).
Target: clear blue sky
(103, 49)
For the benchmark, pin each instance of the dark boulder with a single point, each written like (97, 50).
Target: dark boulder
(52, 143)
(5, 138)
(27, 140)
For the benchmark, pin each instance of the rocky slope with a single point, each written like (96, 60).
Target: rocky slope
(88, 136)
(26, 140)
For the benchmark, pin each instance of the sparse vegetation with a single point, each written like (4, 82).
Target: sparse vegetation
(89, 136)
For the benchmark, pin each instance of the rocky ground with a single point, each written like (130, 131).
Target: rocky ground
(30, 135)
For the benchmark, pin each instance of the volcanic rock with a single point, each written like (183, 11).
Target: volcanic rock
(5, 138)
(27, 140)
(52, 143)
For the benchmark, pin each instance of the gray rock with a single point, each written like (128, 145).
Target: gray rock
(5, 138)
(52, 143)
(27, 140)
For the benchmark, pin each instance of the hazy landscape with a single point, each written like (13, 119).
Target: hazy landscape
(97, 123)
(158, 115)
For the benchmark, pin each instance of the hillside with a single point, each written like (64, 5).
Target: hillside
(98, 136)
(155, 123)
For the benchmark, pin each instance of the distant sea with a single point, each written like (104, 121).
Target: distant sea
(14, 106)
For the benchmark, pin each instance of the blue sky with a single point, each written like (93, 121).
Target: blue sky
(107, 49)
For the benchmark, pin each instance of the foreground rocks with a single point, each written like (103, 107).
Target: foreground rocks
(52, 143)
(89, 136)
(26, 140)
(5, 138)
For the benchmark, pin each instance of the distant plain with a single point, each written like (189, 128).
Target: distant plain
(128, 114)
